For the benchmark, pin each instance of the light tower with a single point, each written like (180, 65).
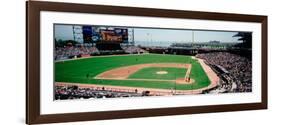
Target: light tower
(192, 49)
(131, 36)
(78, 34)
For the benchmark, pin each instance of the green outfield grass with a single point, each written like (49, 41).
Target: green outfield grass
(151, 73)
(75, 71)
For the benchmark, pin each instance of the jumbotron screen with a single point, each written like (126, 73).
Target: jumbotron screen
(114, 35)
(92, 34)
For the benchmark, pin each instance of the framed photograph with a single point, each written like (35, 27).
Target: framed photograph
(94, 62)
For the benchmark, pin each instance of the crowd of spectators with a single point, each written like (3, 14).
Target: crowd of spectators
(74, 92)
(133, 49)
(237, 75)
(67, 52)
(71, 51)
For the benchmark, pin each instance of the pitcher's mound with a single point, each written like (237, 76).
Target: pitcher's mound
(161, 72)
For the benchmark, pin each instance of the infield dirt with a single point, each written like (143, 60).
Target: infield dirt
(123, 73)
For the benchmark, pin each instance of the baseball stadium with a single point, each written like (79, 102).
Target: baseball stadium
(116, 62)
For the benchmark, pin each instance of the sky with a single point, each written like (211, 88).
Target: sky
(142, 34)
(65, 32)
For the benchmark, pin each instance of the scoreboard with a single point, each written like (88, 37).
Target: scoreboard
(93, 34)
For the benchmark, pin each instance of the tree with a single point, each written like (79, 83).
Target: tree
(63, 43)
(246, 37)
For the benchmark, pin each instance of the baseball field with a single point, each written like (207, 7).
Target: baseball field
(155, 71)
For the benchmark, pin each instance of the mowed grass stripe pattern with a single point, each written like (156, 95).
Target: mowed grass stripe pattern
(151, 73)
(75, 71)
